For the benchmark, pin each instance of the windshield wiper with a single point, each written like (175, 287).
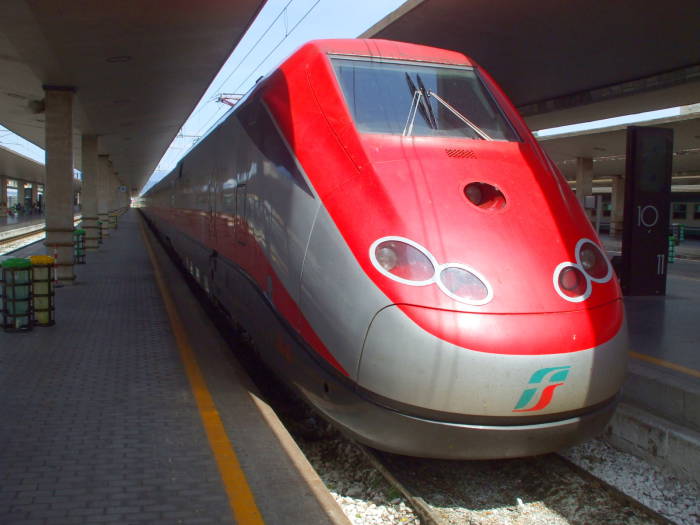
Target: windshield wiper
(408, 128)
(426, 95)
(418, 101)
(461, 117)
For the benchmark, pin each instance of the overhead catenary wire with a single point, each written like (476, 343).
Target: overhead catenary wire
(267, 30)
(288, 32)
(222, 109)
(240, 63)
(278, 45)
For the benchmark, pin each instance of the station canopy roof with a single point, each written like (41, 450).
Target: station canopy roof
(607, 146)
(138, 68)
(563, 62)
(19, 167)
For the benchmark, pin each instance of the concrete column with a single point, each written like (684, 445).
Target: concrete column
(59, 179)
(35, 192)
(117, 193)
(118, 196)
(121, 202)
(113, 185)
(617, 206)
(124, 197)
(584, 179)
(88, 193)
(3, 196)
(103, 170)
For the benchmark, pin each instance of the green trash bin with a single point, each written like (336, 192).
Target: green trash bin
(43, 290)
(17, 295)
(79, 246)
(2, 290)
(671, 248)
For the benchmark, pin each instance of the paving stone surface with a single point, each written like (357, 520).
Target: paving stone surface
(97, 421)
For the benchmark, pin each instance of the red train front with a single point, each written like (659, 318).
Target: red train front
(405, 254)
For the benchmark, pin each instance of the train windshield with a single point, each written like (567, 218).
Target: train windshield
(405, 98)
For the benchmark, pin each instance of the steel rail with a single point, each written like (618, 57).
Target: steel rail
(40, 229)
(429, 516)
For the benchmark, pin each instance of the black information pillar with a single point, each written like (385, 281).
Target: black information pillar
(647, 208)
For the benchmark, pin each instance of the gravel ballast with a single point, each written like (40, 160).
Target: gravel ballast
(677, 500)
(528, 491)
(362, 492)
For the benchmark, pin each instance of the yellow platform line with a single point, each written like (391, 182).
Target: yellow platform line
(666, 364)
(245, 510)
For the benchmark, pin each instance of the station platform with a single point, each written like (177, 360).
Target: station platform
(664, 330)
(659, 418)
(687, 249)
(131, 409)
(10, 223)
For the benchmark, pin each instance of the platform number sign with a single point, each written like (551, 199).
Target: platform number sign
(647, 209)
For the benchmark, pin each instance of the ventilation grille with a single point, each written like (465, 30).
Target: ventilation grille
(460, 153)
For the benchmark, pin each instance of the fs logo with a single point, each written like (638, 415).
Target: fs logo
(544, 382)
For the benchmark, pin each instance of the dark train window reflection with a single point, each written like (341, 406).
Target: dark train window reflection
(398, 98)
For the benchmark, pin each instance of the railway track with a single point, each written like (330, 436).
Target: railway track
(30, 234)
(544, 489)
(8, 243)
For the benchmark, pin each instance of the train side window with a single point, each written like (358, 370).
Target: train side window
(680, 209)
(264, 133)
(241, 205)
(229, 200)
(696, 215)
(202, 200)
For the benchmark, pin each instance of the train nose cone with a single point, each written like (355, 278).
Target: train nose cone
(403, 361)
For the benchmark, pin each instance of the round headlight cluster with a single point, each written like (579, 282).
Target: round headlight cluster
(408, 262)
(593, 261)
(572, 281)
(387, 257)
(405, 261)
(462, 284)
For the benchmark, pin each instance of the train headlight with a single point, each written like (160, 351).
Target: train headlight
(408, 262)
(571, 283)
(590, 257)
(386, 257)
(403, 260)
(463, 284)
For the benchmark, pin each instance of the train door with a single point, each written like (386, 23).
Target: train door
(177, 190)
(212, 209)
(215, 234)
(241, 233)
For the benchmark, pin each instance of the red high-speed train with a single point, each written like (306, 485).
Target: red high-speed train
(380, 219)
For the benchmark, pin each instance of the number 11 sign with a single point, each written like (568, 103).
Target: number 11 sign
(647, 209)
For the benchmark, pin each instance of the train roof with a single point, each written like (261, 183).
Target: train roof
(361, 47)
(389, 49)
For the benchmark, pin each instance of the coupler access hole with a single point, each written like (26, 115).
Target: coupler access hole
(484, 196)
